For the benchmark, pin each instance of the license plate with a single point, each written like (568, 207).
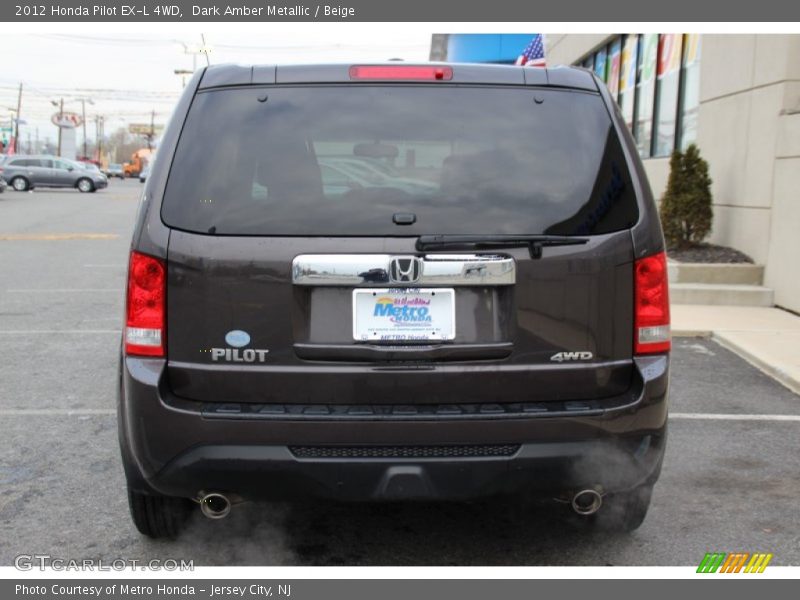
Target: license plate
(398, 315)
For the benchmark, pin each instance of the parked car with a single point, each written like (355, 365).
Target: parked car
(88, 166)
(145, 173)
(507, 333)
(375, 174)
(115, 170)
(24, 172)
(355, 174)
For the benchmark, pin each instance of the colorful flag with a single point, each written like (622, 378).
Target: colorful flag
(533, 55)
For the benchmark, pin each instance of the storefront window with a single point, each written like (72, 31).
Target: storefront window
(690, 101)
(600, 63)
(613, 68)
(645, 93)
(627, 78)
(669, 71)
(655, 79)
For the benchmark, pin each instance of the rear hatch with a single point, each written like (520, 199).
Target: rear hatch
(399, 243)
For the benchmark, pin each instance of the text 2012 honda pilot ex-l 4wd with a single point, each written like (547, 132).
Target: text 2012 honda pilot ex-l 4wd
(394, 281)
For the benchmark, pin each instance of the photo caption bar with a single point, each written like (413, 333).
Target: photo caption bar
(200, 11)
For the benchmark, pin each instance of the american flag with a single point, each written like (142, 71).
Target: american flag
(533, 55)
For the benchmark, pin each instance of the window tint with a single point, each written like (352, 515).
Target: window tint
(341, 160)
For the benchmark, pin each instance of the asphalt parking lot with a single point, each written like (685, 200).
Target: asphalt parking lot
(730, 480)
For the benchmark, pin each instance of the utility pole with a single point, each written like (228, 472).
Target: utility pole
(97, 136)
(183, 73)
(16, 130)
(83, 117)
(152, 135)
(205, 49)
(100, 139)
(60, 118)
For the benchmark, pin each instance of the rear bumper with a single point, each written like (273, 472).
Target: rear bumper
(274, 472)
(170, 449)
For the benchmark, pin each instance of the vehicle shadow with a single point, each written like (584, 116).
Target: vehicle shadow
(488, 532)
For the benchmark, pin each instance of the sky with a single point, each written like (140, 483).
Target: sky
(128, 74)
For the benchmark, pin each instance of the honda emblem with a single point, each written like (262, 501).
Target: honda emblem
(405, 269)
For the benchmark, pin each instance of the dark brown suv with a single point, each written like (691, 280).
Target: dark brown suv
(394, 282)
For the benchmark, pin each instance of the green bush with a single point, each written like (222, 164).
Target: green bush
(686, 213)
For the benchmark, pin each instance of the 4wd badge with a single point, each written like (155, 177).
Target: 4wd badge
(562, 356)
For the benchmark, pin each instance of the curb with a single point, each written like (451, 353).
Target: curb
(692, 333)
(775, 372)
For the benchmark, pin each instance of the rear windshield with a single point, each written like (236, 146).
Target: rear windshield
(342, 160)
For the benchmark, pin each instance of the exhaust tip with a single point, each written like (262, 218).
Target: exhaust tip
(215, 505)
(587, 502)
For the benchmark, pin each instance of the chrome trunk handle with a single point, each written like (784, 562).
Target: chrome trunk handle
(369, 270)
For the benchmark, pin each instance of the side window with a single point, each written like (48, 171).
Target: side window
(35, 162)
(63, 166)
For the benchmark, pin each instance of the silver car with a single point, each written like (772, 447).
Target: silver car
(26, 172)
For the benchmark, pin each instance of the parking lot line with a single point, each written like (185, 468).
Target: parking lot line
(55, 412)
(14, 237)
(64, 290)
(732, 417)
(119, 266)
(63, 331)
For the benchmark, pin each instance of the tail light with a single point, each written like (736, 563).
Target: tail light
(401, 72)
(651, 305)
(145, 326)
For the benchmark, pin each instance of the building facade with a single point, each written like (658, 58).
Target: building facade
(738, 98)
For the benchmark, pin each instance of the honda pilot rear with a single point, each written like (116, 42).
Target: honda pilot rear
(394, 282)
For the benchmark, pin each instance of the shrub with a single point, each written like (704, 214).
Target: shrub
(686, 213)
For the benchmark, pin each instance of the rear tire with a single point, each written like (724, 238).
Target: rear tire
(20, 184)
(158, 516)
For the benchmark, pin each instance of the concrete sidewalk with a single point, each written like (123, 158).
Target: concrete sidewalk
(769, 338)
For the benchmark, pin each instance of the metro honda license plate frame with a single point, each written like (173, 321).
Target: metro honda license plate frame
(404, 315)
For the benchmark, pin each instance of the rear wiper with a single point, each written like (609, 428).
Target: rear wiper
(535, 243)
